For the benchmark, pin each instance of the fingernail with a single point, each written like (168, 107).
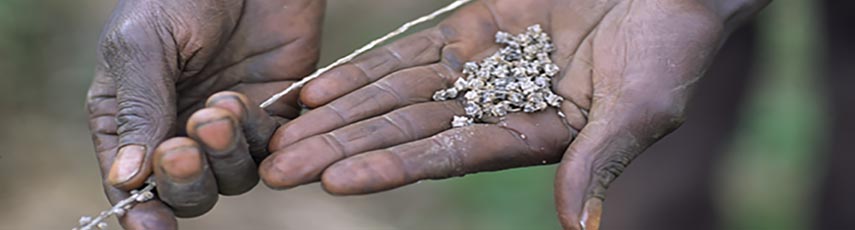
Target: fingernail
(217, 135)
(229, 102)
(127, 164)
(182, 164)
(591, 215)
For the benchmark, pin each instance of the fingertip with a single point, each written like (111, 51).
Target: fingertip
(569, 223)
(149, 215)
(183, 179)
(180, 159)
(283, 136)
(284, 170)
(371, 172)
(332, 181)
(129, 169)
(272, 180)
(233, 102)
(335, 180)
(333, 84)
(173, 143)
(591, 214)
(219, 135)
(272, 176)
(305, 127)
(318, 92)
(206, 115)
(588, 218)
(214, 127)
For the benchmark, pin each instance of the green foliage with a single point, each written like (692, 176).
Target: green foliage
(768, 180)
(511, 199)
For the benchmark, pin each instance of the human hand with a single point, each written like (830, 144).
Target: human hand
(158, 63)
(627, 71)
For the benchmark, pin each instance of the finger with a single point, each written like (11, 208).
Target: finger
(184, 180)
(418, 49)
(520, 140)
(636, 101)
(573, 190)
(399, 89)
(102, 106)
(255, 93)
(152, 214)
(303, 161)
(142, 63)
(218, 131)
(598, 155)
(256, 124)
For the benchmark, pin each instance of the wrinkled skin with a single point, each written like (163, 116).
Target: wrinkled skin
(627, 72)
(159, 61)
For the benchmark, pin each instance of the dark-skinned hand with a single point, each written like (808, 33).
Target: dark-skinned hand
(627, 71)
(159, 61)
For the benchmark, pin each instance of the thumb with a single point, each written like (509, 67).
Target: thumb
(596, 157)
(140, 57)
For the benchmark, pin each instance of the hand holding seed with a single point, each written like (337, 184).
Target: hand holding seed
(625, 70)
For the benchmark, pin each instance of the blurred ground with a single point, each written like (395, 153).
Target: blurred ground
(48, 174)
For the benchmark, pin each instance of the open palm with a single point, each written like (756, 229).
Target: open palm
(627, 69)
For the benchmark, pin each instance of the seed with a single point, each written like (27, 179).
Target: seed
(473, 110)
(460, 121)
(461, 84)
(516, 78)
(451, 92)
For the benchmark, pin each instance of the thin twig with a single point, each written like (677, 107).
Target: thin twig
(121, 207)
(369, 46)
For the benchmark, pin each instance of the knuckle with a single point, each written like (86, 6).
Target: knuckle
(398, 121)
(141, 116)
(667, 113)
(103, 125)
(100, 106)
(118, 37)
(128, 121)
(384, 86)
(132, 35)
(606, 170)
(336, 145)
(101, 96)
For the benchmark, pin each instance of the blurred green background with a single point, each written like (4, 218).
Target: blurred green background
(48, 174)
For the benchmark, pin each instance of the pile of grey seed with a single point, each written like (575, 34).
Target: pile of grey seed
(515, 78)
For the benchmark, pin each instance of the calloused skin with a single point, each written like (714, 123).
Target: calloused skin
(159, 61)
(627, 71)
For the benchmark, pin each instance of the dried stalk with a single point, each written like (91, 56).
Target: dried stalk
(369, 46)
(121, 207)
